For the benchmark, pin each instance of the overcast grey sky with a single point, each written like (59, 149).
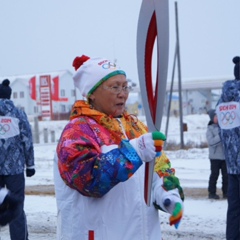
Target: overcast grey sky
(46, 35)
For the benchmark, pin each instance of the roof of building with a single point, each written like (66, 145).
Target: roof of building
(199, 83)
(195, 83)
(25, 77)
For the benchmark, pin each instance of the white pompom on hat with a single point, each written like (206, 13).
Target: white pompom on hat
(92, 72)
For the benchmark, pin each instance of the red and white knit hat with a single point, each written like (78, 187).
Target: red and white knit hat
(92, 72)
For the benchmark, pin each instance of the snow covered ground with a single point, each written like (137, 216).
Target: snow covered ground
(203, 218)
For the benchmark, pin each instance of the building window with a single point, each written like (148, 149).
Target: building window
(73, 93)
(35, 109)
(21, 94)
(70, 107)
(62, 93)
(15, 95)
(63, 108)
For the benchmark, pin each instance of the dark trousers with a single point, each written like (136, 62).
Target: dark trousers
(16, 184)
(216, 167)
(233, 211)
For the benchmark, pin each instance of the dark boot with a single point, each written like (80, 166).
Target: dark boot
(213, 196)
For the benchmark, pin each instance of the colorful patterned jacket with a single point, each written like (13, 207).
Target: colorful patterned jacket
(99, 179)
(82, 164)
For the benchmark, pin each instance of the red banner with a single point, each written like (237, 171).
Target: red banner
(55, 91)
(33, 88)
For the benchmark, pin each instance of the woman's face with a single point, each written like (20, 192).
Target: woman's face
(111, 96)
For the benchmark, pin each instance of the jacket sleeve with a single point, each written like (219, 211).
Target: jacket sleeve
(84, 167)
(26, 138)
(213, 136)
